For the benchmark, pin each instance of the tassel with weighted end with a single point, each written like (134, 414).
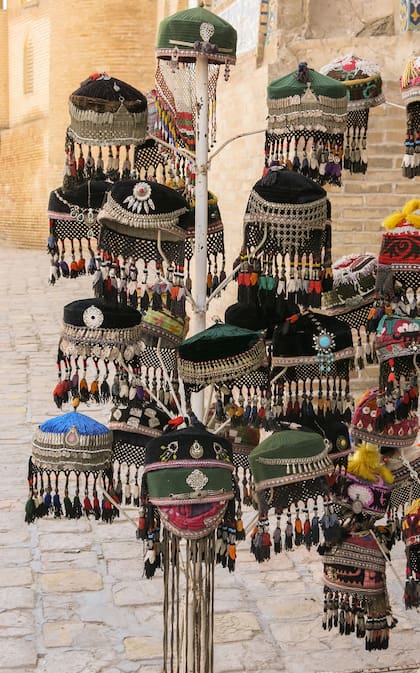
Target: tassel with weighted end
(288, 533)
(68, 506)
(141, 532)
(277, 543)
(135, 491)
(307, 533)
(240, 531)
(58, 510)
(298, 530)
(96, 505)
(87, 505)
(30, 509)
(77, 505)
(150, 557)
(231, 549)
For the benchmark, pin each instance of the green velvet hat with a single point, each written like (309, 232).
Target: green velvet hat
(194, 32)
(220, 353)
(289, 456)
(188, 476)
(307, 114)
(295, 98)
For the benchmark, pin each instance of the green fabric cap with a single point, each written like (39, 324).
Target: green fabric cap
(220, 353)
(196, 484)
(289, 456)
(194, 32)
(321, 85)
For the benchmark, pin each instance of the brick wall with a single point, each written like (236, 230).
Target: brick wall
(70, 40)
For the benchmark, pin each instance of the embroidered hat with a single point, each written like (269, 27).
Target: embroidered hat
(287, 220)
(306, 106)
(182, 39)
(106, 114)
(133, 426)
(293, 464)
(220, 353)
(397, 336)
(141, 210)
(72, 221)
(93, 330)
(194, 32)
(245, 316)
(366, 488)
(386, 419)
(363, 83)
(354, 278)
(314, 340)
(410, 94)
(71, 443)
(188, 476)
(355, 596)
(107, 111)
(162, 325)
(399, 260)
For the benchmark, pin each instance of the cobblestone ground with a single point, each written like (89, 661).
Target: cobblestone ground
(72, 596)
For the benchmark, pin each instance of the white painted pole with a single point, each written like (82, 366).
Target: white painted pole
(201, 211)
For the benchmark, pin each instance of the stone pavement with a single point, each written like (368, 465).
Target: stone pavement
(72, 596)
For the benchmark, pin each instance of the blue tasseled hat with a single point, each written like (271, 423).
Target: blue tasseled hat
(72, 442)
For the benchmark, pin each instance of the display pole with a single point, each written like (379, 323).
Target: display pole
(201, 213)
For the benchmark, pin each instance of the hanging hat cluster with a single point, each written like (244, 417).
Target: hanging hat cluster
(363, 83)
(287, 242)
(398, 279)
(355, 595)
(108, 114)
(94, 332)
(388, 419)
(188, 489)
(411, 538)
(73, 224)
(307, 114)
(410, 94)
(70, 445)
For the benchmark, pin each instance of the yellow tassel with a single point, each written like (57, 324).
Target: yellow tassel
(414, 220)
(411, 206)
(366, 463)
(393, 220)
